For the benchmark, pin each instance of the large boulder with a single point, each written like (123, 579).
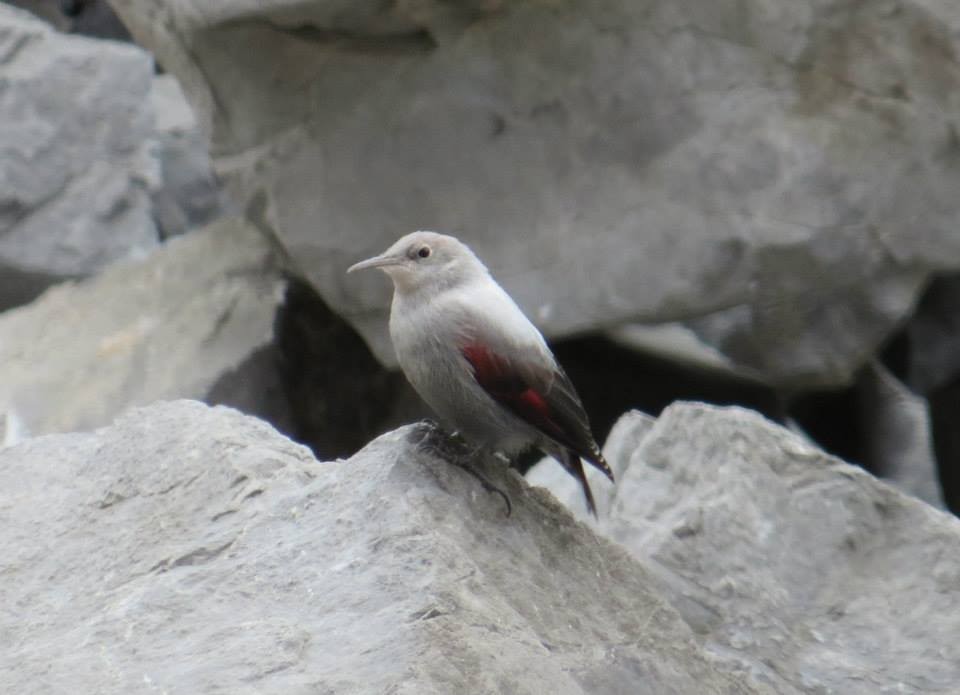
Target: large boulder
(782, 178)
(897, 434)
(76, 165)
(99, 158)
(807, 571)
(194, 550)
(193, 320)
(190, 195)
(218, 315)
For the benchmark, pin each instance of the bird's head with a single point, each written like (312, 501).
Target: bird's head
(426, 260)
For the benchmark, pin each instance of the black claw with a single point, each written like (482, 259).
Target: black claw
(489, 487)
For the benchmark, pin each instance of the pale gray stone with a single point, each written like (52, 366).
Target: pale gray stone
(194, 318)
(782, 176)
(933, 337)
(76, 165)
(897, 434)
(190, 196)
(808, 572)
(186, 549)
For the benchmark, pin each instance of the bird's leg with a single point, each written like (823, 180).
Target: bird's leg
(453, 448)
(428, 431)
(465, 459)
(465, 465)
(435, 438)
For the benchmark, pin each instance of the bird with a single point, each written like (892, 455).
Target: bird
(480, 364)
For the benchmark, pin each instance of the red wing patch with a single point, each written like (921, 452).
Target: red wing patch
(552, 408)
(508, 387)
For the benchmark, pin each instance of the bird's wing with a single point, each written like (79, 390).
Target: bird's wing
(537, 391)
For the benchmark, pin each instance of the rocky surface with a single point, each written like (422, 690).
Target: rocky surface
(773, 186)
(189, 549)
(898, 435)
(219, 315)
(98, 158)
(76, 165)
(195, 320)
(191, 195)
(806, 571)
(780, 178)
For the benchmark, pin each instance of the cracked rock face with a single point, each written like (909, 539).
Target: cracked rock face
(195, 320)
(76, 165)
(781, 178)
(806, 571)
(99, 158)
(190, 549)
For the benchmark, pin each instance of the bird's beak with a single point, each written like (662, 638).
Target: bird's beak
(376, 262)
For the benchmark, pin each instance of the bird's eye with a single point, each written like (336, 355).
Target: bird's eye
(424, 252)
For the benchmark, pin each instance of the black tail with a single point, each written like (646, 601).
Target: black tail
(574, 467)
(600, 463)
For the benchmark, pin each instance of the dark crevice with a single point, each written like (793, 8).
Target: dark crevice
(832, 419)
(339, 396)
(945, 421)
(925, 355)
(612, 379)
(19, 286)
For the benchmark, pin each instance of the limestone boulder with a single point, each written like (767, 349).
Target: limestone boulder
(190, 549)
(194, 320)
(780, 178)
(76, 165)
(806, 571)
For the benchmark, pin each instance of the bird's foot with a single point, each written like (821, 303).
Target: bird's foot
(451, 447)
(432, 436)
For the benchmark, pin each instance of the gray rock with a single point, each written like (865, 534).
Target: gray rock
(195, 550)
(190, 195)
(218, 315)
(76, 166)
(782, 178)
(897, 432)
(195, 318)
(805, 571)
(933, 337)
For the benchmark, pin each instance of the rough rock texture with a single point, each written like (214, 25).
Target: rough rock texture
(194, 550)
(190, 195)
(783, 173)
(99, 159)
(75, 154)
(933, 337)
(194, 319)
(808, 572)
(219, 315)
(897, 432)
